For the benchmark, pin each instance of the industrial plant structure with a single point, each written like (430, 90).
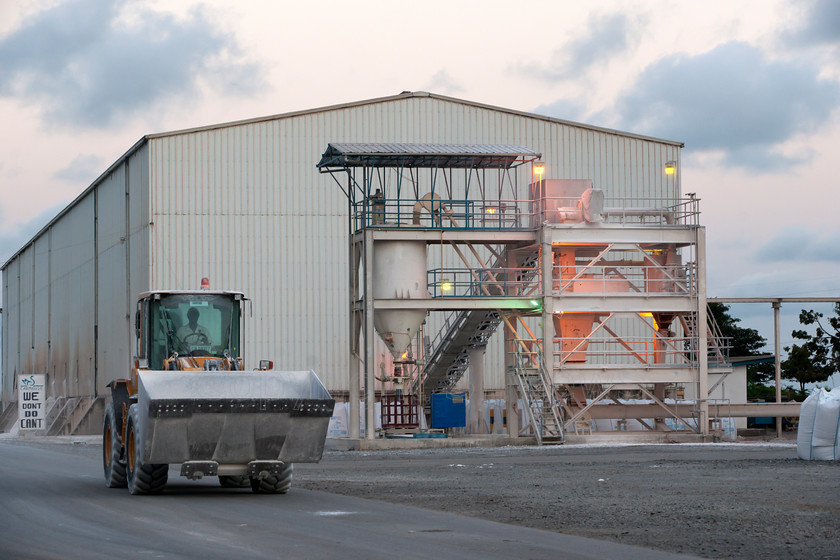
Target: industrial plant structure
(516, 233)
(479, 235)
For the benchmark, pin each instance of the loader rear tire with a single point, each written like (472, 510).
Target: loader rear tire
(239, 481)
(141, 478)
(113, 460)
(274, 484)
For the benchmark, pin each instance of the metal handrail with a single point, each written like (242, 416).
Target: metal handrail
(542, 397)
(625, 279)
(521, 214)
(718, 350)
(481, 282)
(598, 352)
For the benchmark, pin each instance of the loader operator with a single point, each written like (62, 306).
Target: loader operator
(193, 334)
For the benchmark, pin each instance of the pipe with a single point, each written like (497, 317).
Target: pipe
(429, 202)
(433, 205)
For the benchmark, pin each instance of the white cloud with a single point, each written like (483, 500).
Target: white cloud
(83, 169)
(605, 37)
(731, 98)
(10, 242)
(88, 66)
(566, 109)
(820, 24)
(442, 82)
(799, 243)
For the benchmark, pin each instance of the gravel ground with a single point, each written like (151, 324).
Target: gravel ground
(750, 501)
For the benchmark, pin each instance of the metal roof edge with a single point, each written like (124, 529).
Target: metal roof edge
(137, 145)
(752, 360)
(595, 128)
(415, 95)
(288, 115)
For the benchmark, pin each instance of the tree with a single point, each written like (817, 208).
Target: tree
(801, 367)
(744, 342)
(819, 356)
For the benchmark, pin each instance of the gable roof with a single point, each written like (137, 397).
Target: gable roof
(420, 95)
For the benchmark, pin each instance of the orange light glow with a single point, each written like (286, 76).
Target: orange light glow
(539, 168)
(655, 325)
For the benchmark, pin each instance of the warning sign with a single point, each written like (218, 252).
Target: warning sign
(31, 399)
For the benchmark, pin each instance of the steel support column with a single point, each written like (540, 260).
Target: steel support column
(546, 271)
(354, 396)
(370, 370)
(777, 307)
(702, 334)
(476, 419)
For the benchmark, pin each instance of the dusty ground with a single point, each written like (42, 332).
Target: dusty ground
(750, 501)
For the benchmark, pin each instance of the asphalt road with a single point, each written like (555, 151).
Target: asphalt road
(55, 505)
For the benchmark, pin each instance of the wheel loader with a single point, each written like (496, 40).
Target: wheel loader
(189, 401)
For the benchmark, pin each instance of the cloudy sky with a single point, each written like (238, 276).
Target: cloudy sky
(751, 87)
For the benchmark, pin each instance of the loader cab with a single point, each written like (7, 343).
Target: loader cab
(189, 323)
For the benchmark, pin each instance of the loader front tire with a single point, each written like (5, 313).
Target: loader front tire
(141, 478)
(274, 484)
(239, 481)
(113, 461)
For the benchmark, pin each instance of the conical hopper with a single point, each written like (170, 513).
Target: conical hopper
(399, 272)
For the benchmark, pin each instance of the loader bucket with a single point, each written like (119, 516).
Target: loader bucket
(232, 417)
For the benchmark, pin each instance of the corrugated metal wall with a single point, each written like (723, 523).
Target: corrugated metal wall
(68, 310)
(12, 308)
(49, 315)
(244, 205)
(112, 314)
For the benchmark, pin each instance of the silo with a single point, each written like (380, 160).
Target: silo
(399, 272)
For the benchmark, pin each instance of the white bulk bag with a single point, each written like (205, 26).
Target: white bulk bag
(818, 436)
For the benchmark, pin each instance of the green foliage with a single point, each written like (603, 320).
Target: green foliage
(800, 366)
(744, 342)
(767, 393)
(819, 356)
(760, 391)
(825, 342)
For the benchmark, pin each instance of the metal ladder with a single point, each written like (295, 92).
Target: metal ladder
(535, 387)
(718, 345)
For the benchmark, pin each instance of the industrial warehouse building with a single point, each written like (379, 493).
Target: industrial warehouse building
(243, 204)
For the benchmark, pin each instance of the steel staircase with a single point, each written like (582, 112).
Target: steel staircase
(535, 387)
(448, 354)
(449, 358)
(717, 347)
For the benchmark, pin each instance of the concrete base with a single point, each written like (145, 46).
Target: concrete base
(753, 432)
(639, 437)
(379, 444)
(8, 418)
(348, 444)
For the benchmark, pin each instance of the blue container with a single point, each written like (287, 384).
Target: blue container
(449, 410)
